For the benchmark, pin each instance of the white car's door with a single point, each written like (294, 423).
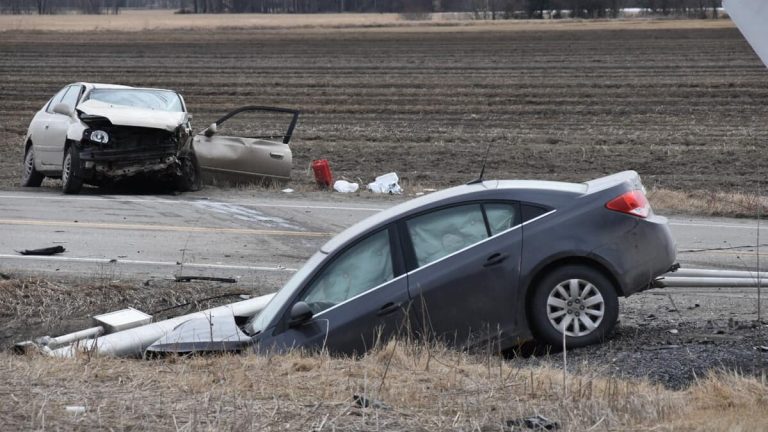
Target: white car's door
(51, 129)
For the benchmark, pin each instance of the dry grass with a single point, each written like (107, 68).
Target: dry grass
(705, 203)
(132, 21)
(424, 388)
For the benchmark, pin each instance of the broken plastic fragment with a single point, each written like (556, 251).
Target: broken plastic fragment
(386, 183)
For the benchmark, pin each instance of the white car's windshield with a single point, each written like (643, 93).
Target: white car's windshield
(160, 100)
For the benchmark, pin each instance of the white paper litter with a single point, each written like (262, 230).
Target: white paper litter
(386, 183)
(344, 186)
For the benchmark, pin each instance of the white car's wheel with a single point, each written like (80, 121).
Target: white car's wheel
(71, 173)
(30, 177)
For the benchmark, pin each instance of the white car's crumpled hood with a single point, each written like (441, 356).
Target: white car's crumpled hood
(132, 116)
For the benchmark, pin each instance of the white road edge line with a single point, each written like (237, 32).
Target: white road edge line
(138, 262)
(705, 225)
(189, 202)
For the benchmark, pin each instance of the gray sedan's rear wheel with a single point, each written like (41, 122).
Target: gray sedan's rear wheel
(577, 301)
(71, 172)
(30, 176)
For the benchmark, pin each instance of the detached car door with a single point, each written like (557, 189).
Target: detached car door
(246, 144)
(358, 299)
(464, 266)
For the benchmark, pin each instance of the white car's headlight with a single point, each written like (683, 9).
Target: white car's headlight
(100, 136)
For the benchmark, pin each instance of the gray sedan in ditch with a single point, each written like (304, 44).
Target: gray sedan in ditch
(102, 133)
(492, 262)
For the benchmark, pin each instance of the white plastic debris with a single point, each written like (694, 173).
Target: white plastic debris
(287, 190)
(386, 183)
(344, 186)
(75, 409)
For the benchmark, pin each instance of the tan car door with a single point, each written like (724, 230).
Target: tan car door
(245, 145)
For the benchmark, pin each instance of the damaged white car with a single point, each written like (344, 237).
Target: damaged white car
(99, 134)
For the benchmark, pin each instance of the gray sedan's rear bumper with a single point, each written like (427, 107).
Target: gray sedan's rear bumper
(641, 254)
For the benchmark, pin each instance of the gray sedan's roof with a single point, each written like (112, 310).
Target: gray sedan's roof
(117, 86)
(391, 213)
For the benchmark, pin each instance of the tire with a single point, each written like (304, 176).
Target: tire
(71, 172)
(30, 177)
(579, 297)
(189, 180)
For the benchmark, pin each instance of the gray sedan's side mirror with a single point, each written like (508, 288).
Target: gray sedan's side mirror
(62, 108)
(212, 129)
(300, 313)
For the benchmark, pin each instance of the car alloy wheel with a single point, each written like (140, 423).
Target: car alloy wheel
(578, 302)
(29, 164)
(30, 176)
(575, 307)
(71, 175)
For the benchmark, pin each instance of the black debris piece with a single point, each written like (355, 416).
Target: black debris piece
(364, 402)
(205, 278)
(53, 250)
(537, 423)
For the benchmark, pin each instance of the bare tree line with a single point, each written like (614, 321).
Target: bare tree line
(485, 9)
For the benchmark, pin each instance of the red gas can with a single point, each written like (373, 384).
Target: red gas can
(322, 171)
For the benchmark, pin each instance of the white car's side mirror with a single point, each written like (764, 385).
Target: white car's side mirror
(62, 108)
(211, 130)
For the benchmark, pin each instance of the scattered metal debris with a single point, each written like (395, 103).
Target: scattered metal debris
(53, 250)
(205, 278)
(537, 422)
(134, 337)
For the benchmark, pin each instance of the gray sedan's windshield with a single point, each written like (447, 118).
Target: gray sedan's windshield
(160, 100)
(260, 322)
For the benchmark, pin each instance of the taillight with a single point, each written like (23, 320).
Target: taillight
(632, 202)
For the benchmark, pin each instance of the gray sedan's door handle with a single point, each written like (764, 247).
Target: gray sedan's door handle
(494, 259)
(388, 309)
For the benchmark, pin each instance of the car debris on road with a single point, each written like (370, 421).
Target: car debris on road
(53, 250)
(386, 183)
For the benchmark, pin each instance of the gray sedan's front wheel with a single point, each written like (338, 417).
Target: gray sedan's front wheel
(71, 172)
(577, 301)
(30, 176)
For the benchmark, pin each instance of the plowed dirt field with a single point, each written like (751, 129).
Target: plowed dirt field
(686, 107)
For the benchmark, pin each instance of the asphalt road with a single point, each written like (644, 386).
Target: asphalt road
(257, 237)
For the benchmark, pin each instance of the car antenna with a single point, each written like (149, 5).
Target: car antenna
(482, 170)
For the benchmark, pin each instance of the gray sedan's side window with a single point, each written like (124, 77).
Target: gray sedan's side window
(365, 265)
(443, 232)
(501, 217)
(56, 99)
